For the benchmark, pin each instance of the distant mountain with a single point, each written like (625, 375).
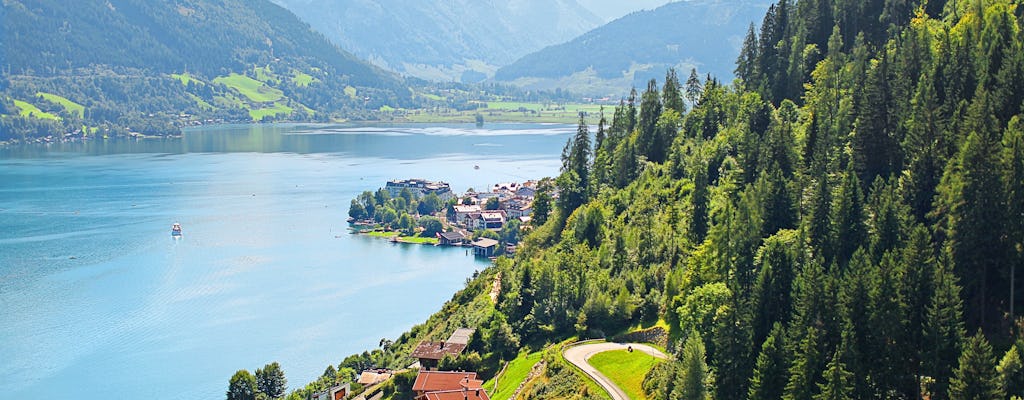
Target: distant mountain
(122, 62)
(701, 34)
(444, 40)
(611, 10)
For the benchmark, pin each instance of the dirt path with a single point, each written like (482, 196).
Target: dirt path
(578, 356)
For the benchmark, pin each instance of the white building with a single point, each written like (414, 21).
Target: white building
(420, 188)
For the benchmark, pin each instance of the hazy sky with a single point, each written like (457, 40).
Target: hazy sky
(612, 9)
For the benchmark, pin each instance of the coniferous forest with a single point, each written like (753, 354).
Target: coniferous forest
(845, 220)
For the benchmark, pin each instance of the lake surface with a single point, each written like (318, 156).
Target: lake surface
(97, 300)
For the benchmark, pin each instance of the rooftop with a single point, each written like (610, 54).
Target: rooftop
(429, 381)
(461, 335)
(485, 242)
(452, 236)
(475, 394)
(437, 350)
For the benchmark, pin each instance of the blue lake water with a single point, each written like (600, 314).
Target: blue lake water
(97, 299)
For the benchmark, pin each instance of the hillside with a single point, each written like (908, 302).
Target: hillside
(845, 221)
(445, 40)
(119, 58)
(701, 34)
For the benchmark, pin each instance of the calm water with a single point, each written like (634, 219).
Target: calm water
(98, 300)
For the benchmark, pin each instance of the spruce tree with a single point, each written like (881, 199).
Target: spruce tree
(971, 202)
(1011, 371)
(1013, 183)
(672, 93)
(849, 231)
(976, 377)
(693, 88)
(695, 380)
(807, 365)
(944, 328)
(650, 110)
(770, 373)
(746, 63)
(837, 385)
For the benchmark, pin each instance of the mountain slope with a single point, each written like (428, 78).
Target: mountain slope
(150, 66)
(702, 34)
(443, 40)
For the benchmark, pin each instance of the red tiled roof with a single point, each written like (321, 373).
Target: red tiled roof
(437, 350)
(473, 394)
(431, 381)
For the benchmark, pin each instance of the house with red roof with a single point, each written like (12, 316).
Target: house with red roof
(448, 385)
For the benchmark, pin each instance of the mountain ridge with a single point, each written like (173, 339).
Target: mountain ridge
(642, 45)
(442, 41)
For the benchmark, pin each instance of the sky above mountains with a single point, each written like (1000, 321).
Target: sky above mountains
(612, 9)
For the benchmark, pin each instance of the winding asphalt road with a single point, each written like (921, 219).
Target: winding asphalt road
(579, 354)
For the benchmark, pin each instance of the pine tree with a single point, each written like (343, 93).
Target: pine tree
(732, 356)
(650, 110)
(777, 265)
(807, 365)
(693, 88)
(671, 93)
(746, 63)
(849, 231)
(971, 203)
(976, 377)
(854, 304)
(915, 290)
(1013, 183)
(1011, 371)
(770, 374)
(944, 328)
(874, 141)
(270, 380)
(699, 198)
(837, 385)
(695, 381)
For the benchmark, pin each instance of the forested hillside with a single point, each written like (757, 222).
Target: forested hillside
(847, 221)
(140, 65)
(701, 34)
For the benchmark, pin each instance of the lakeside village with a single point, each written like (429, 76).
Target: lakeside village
(425, 212)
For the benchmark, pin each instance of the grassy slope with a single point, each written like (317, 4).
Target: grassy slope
(301, 79)
(278, 108)
(28, 109)
(517, 370)
(68, 105)
(626, 369)
(255, 90)
(185, 78)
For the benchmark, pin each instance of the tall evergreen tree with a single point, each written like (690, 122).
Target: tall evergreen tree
(971, 205)
(693, 88)
(1013, 183)
(695, 381)
(650, 110)
(746, 63)
(1011, 371)
(849, 231)
(944, 329)
(976, 377)
(672, 93)
(770, 374)
(807, 366)
(874, 143)
(837, 385)
(270, 380)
